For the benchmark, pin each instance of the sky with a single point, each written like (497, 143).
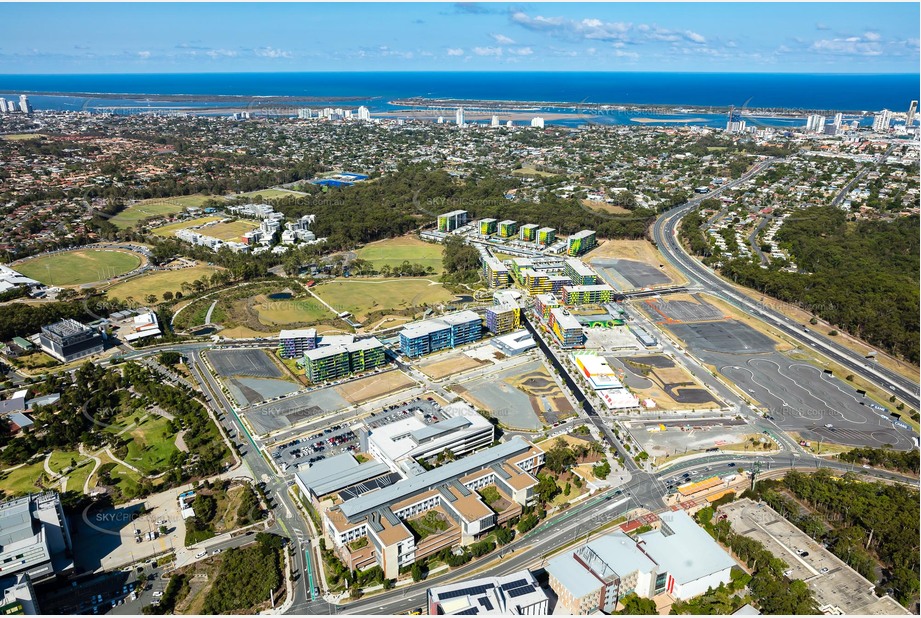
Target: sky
(841, 37)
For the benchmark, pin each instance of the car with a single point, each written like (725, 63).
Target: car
(829, 426)
(216, 552)
(824, 570)
(158, 594)
(804, 554)
(201, 554)
(732, 465)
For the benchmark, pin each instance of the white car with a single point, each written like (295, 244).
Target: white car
(201, 554)
(215, 552)
(158, 594)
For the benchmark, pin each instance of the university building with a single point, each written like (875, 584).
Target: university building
(580, 242)
(293, 343)
(69, 340)
(587, 294)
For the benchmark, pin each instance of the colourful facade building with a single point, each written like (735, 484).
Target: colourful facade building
(449, 331)
(528, 232)
(503, 318)
(581, 242)
(488, 226)
(546, 236)
(495, 273)
(579, 272)
(508, 228)
(535, 282)
(450, 221)
(566, 328)
(293, 343)
(339, 360)
(587, 294)
(543, 303)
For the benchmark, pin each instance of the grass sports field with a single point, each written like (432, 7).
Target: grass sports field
(157, 207)
(280, 312)
(170, 230)
(78, 267)
(361, 297)
(229, 231)
(394, 251)
(158, 282)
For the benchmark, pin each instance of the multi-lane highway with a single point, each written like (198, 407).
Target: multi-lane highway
(664, 233)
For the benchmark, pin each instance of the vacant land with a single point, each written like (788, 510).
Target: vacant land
(395, 251)
(170, 230)
(78, 267)
(158, 207)
(448, 367)
(530, 171)
(361, 297)
(374, 387)
(268, 194)
(158, 282)
(639, 250)
(22, 137)
(294, 311)
(231, 230)
(611, 209)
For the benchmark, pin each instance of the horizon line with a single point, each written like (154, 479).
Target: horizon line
(497, 72)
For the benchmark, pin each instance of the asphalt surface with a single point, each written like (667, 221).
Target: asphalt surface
(664, 233)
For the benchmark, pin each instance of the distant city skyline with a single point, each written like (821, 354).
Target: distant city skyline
(73, 38)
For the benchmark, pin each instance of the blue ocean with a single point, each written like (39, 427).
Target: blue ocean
(790, 92)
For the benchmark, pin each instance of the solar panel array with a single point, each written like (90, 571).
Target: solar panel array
(473, 590)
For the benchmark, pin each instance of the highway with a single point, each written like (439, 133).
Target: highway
(664, 233)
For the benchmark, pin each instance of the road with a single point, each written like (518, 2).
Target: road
(576, 523)
(288, 518)
(664, 233)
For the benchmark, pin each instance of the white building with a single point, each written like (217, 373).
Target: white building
(459, 117)
(815, 124)
(35, 537)
(463, 431)
(364, 113)
(2, 105)
(537, 122)
(680, 558)
(24, 105)
(517, 594)
(494, 122)
(881, 121)
(910, 118)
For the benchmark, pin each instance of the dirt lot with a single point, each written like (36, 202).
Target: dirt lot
(456, 364)
(374, 387)
(640, 250)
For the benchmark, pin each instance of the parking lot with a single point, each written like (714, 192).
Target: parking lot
(331, 441)
(347, 437)
(834, 584)
(430, 411)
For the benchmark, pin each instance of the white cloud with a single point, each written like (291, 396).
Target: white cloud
(214, 54)
(871, 36)
(143, 55)
(520, 51)
(271, 52)
(619, 53)
(694, 37)
(850, 46)
(502, 39)
(455, 51)
(487, 51)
